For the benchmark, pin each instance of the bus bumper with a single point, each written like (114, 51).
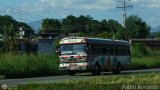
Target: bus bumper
(74, 66)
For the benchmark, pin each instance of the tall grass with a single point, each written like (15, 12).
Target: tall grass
(143, 57)
(23, 65)
(15, 66)
(139, 50)
(145, 62)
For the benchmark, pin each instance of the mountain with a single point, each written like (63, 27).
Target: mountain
(36, 25)
(156, 29)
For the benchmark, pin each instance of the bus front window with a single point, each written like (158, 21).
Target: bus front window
(73, 49)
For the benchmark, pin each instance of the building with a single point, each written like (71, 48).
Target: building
(37, 46)
(46, 46)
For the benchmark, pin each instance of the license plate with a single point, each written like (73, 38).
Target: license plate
(73, 65)
(72, 68)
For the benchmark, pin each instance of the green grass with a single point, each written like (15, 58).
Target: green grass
(114, 82)
(20, 66)
(145, 62)
(16, 66)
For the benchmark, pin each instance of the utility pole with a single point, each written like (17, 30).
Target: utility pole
(124, 6)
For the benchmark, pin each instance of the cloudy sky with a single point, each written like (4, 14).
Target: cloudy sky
(32, 10)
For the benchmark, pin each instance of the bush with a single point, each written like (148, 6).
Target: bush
(145, 62)
(16, 66)
(139, 50)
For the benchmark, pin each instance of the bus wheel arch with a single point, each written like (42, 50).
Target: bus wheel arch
(96, 69)
(117, 70)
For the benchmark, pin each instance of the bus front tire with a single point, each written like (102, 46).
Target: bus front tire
(96, 70)
(71, 73)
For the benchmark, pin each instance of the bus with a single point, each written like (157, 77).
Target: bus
(94, 55)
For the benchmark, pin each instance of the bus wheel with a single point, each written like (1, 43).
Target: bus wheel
(71, 73)
(96, 70)
(117, 70)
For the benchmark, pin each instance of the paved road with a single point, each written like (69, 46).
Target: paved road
(57, 79)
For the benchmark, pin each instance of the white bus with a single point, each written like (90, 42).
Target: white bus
(94, 55)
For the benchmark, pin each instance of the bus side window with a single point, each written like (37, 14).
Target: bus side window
(108, 51)
(91, 49)
(105, 50)
(124, 50)
(116, 51)
(128, 50)
(120, 50)
(111, 51)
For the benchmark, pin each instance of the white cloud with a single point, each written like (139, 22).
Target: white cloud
(8, 11)
(148, 3)
(43, 5)
(62, 8)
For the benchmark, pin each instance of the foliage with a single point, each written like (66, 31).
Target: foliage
(158, 35)
(136, 27)
(16, 66)
(50, 25)
(145, 62)
(6, 21)
(9, 29)
(10, 44)
(139, 50)
(105, 35)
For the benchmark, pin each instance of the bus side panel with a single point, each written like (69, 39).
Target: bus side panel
(108, 62)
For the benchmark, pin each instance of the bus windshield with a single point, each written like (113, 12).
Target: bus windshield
(73, 49)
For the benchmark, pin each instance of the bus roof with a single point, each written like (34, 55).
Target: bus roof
(92, 40)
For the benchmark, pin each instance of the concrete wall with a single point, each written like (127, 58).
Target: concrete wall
(46, 46)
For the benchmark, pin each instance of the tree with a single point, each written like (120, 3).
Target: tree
(69, 23)
(136, 27)
(95, 27)
(10, 39)
(112, 27)
(84, 22)
(9, 28)
(50, 25)
(104, 26)
(157, 34)
(7, 21)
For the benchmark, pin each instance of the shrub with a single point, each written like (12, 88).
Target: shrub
(16, 66)
(145, 62)
(139, 50)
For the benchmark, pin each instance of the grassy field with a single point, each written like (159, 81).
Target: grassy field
(20, 66)
(16, 66)
(114, 82)
(145, 62)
